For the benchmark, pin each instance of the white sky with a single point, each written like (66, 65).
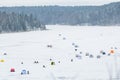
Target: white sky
(53, 2)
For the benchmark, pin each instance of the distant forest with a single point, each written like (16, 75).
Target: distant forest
(105, 15)
(14, 22)
(16, 19)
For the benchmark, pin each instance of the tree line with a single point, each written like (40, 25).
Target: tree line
(16, 22)
(104, 15)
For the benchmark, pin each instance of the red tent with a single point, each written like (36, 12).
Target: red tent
(12, 70)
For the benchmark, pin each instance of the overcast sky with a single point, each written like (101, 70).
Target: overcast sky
(54, 2)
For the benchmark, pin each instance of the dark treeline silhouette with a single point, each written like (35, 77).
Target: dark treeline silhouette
(14, 22)
(105, 15)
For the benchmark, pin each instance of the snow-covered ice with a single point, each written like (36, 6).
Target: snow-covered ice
(28, 47)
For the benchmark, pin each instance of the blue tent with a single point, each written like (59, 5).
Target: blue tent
(23, 72)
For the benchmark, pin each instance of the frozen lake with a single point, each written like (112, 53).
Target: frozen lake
(73, 49)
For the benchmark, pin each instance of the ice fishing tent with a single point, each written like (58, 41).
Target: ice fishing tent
(2, 60)
(78, 56)
(60, 34)
(5, 54)
(64, 38)
(98, 56)
(49, 46)
(23, 72)
(112, 51)
(52, 63)
(73, 44)
(102, 52)
(12, 70)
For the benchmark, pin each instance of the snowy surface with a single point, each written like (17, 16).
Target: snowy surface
(28, 47)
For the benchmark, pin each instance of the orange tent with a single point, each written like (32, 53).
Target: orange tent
(112, 51)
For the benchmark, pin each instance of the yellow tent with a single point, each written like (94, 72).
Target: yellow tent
(2, 60)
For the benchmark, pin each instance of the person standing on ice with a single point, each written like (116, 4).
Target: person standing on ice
(28, 72)
(21, 62)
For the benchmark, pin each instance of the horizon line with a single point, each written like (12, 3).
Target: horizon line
(57, 5)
